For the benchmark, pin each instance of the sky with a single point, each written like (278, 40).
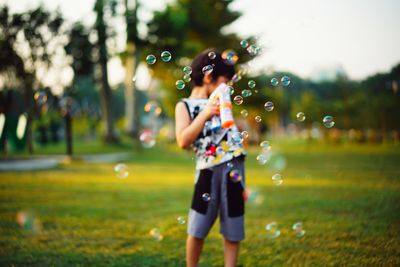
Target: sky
(307, 37)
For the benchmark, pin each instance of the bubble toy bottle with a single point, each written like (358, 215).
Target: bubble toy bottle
(225, 106)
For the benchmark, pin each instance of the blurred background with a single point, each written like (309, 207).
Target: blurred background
(87, 97)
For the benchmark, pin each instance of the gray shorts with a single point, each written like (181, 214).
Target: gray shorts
(226, 197)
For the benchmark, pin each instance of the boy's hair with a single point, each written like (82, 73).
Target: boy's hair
(220, 68)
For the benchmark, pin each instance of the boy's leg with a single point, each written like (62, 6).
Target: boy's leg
(231, 251)
(194, 246)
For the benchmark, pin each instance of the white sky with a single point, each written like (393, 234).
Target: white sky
(361, 36)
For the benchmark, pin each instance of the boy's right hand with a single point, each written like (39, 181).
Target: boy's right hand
(211, 109)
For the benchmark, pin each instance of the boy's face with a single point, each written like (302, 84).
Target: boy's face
(213, 85)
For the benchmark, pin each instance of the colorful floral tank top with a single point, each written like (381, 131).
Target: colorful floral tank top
(213, 147)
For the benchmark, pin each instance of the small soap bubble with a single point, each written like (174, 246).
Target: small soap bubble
(187, 78)
(181, 220)
(147, 138)
(269, 106)
(229, 165)
(235, 176)
(298, 230)
(244, 43)
(265, 146)
(301, 116)
(121, 170)
(151, 59)
(180, 84)
(155, 234)
(246, 93)
(274, 82)
(251, 84)
(237, 138)
(245, 134)
(244, 113)
(152, 108)
(187, 70)
(272, 230)
(40, 97)
(166, 56)
(328, 121)
(236, 77)
(212, 55)
(262, 159)
(253, 50)
(207, 69)
(238, 100)
(28, 221)
(258, 118)
(277, 179)
(285, 80)
(229, 57)
(231, 90)
(206, 197)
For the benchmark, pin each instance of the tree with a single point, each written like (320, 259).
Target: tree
(106, 94)
(185, 28)
(28, 42)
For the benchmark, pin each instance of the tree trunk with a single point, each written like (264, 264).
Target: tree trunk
(130, 92)
(68, 132)
(106, 94)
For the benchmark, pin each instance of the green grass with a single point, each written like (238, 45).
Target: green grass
(348, 198)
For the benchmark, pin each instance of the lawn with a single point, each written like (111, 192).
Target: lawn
(346, 196)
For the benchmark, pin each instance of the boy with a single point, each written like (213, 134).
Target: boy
(218, 153)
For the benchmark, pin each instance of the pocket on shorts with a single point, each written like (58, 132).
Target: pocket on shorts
(203, 185)
(235, 198)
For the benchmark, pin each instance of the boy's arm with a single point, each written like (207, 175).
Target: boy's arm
(187, 131)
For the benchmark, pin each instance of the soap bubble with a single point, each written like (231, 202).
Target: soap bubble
(121, 170)
(246, 93)
(229, 165)
(300, 116)
(155, 234)
(237, 138)
(238, 100)
(272, 230)
(269, 106)
(328, 121)
(152, 107)
(151, 59)
(40, 97)
(180, 84)
(244, 113)
(229, 57)
(236, 77)
(244, 43)
(298, 230)
(187, 78)
(166, 56)
(28, 221)
(207, 69)
(187, 70)
(277, 179)
(274, 81)
(262, 159)
(212, 55)
(147, 139)
(251, 84)
(245, 134)
(181, 220)
(231, 90)
(235, 176)
(253, 50)
(285, 80)
(206, 197)
(265, 146)
(258, 119)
